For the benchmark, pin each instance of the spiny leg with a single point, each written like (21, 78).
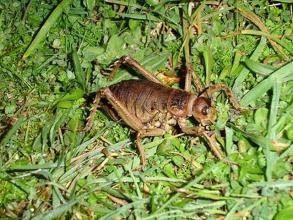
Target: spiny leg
(132, 121)
(189, 68)
(108, 109)
(146, 133)
(201, 132)
(186, 47)
(90, 119)
(222, 87)
(190, 74)
(197, 81)
(122, 111)
(133, 64)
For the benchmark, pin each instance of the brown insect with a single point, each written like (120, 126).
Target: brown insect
(152, 109)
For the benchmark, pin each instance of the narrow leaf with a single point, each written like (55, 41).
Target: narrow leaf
(258, 22)
(244, 72)
(283, 1)
(51, 20)
(267, 84)
(260, 68)
(209, 63)
(57, 212)
(80, 76)
(286, 213)
(11, 132)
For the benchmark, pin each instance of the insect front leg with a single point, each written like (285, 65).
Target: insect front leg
(222, 87)
(201, 132)
(134, 65)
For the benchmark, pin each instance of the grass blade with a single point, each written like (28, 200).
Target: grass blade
(267, 84)
(258, 22)
(11, 132)
(282, 184)
(283, 1)
(260, 68)
(271, 156)
(209, 62)
(229, 139)
(274, 109)
(41, 35)
(124, 208)
(244, 72)
(80, 77)
(57, 211)
(288, 47)
(28, 167)
(286, 213)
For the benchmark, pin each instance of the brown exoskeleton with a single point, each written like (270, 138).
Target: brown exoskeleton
(151, 109)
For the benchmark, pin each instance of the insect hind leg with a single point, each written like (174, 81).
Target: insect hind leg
(93, 111)
(146, 133)
(134, 65)
(190, 74)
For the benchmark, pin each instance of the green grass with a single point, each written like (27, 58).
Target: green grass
(52, 56)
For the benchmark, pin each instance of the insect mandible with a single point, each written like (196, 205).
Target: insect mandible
(151, 108)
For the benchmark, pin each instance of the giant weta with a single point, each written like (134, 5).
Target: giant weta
(152, 109)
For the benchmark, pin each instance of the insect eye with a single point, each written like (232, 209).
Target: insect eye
(205, 110)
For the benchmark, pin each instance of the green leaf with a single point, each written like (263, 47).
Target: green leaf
(90, 53)
(90, 4)
(133, 24)
(261, 88)
(229, 139)
(169, 171)
(244, 71)
(54, 213)
(80, 76)
(283, 1)
(289, 132)
(285, 214)
(209, 62)
(261, 117)
(178, 160)
(51, 20)
(165, 147)
(115, 43)
(259, 67)
(11, 132)
(64, 104)
(274, 109)
(75, 94)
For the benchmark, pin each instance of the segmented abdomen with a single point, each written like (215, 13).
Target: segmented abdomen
(144, 99)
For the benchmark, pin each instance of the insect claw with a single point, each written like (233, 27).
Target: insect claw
(239, 110)
(234, 111)
(211, 134)
(106, 72)
(230, 162)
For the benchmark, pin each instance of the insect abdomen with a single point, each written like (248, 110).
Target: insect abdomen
(144, 99)
(141, 98)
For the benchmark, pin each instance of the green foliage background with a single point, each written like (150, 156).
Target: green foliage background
(52, 56)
